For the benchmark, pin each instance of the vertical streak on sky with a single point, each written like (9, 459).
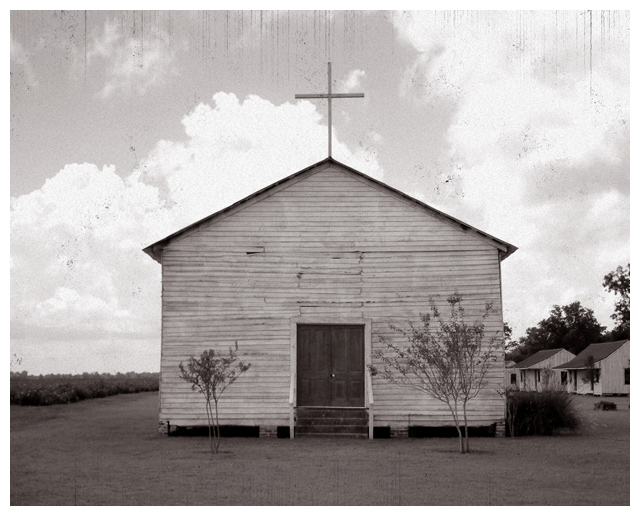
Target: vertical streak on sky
(227, 38)
(584, 41)
(277, 49)
(601, 31)
(261, 44)
(544, 46)
(590, 52)
(327, 32)
(526, 44)
(577, 36)
(241, 39)
(85, 49)
(170, 31)
(203, 36)
(142, 38)
(555, 65)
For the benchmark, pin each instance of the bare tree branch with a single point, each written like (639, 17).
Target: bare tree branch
(211, 375)
(448, 360)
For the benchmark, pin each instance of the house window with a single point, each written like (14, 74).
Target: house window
(597, 375)
(627, 375)
(538, 375)
(513, 378)
(563, 377)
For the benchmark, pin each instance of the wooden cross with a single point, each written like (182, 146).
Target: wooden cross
(329, 96)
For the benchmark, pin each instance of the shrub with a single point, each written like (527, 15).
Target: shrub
(605, 405)
(540, 413)
(65, 388)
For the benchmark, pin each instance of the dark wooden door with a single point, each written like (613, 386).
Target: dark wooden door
(330, 366)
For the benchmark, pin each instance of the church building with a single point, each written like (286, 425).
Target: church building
(307, 275)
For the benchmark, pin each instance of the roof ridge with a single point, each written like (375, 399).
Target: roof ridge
(580, 358)
(547, 353)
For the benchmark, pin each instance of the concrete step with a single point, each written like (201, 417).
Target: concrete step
(331, 429)
(332, 421)
(337, 421)
(330, 412)
(321, 435)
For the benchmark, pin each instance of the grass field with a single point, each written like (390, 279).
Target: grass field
(108, 452)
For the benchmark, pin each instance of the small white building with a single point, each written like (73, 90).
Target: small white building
(611, 362)
(537, 372)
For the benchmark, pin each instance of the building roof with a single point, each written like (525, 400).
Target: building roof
(154, 250)
(536, 358)
(598, 351)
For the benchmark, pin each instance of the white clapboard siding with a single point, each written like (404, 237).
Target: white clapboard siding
(328, 245)
(612, 371)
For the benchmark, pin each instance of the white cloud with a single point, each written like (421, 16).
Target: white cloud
(352, 82)
(78, 273)
(243, 146)
(539, 145)
(105, 45)
(75, 246)
(133, 65)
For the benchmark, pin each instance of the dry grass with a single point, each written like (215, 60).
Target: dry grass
(107, 452)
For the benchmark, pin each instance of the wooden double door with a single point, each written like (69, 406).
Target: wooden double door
(330, 365)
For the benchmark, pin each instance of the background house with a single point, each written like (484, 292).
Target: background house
(537, 373)
(307, 275)
(510, 375)
(611, 362)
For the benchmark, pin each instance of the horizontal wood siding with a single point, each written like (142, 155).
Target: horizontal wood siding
(330, 245)
(612, 371)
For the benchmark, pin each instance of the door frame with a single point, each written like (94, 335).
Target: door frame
(329, 321)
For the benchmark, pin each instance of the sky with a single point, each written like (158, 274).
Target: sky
(127, 126)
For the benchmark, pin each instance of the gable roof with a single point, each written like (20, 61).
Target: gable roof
(599, 352)
(536, 358)
(505, 249)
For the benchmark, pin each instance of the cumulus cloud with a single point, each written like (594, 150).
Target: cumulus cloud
(539, 147)
(75, 242)
(132, 64)
(78, 273)
(243, 145)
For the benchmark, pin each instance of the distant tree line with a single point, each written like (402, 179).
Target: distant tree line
(573, 327)
(53, 389)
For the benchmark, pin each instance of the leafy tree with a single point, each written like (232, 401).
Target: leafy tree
(591, 373)
(549, 379)
(619, 282)
(507, 331)
(211, 374)
(448, 362)
(572, 327)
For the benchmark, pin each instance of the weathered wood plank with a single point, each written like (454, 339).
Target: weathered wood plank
(328, 246)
